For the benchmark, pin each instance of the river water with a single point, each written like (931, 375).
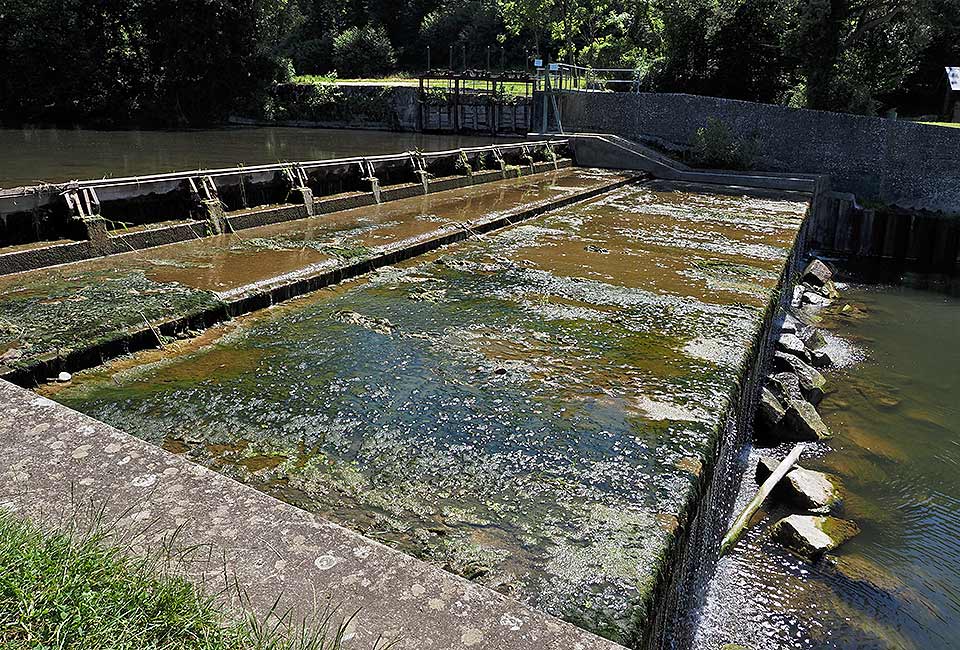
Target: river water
(895, 410)
(32, 156)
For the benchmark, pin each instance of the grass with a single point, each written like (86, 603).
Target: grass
(73, 589)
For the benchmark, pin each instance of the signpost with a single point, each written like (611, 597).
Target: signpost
(953, 76)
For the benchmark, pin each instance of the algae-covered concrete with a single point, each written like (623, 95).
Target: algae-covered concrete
(59, 466)
(532, 410)
(48, 315)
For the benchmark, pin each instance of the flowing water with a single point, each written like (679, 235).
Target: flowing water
(530, 410)
(895, 410)
(32, 156)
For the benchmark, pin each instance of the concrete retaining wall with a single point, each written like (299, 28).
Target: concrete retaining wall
(898, 163)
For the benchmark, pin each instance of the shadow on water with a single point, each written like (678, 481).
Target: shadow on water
(528, 409)
(896, 416)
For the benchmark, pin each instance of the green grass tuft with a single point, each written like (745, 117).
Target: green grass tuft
(74, 589)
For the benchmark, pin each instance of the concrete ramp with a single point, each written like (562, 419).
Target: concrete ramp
(614, 152)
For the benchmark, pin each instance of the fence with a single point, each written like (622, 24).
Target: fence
(475, 101)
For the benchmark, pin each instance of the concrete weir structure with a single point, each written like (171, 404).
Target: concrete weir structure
(542, 388)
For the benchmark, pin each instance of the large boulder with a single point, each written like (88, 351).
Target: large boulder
(812, 338)
(811, 536)
(817, 274)
(820, 359)
(812, 383)
(770, 411)
(790, 325)
(813, 298)
(802, 423)
(791, 344)
(803, 488)
(828, 290)
(785, 386)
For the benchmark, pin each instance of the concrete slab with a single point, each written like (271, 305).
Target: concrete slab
(54, 461)
(76, 315)
(540, 409)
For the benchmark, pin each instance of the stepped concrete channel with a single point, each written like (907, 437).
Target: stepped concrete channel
(498, 407)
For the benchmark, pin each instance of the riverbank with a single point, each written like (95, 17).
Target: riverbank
(891, 405)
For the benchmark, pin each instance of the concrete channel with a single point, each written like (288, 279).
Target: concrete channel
(642, 296)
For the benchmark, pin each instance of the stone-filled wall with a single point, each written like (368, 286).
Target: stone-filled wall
(894, 162)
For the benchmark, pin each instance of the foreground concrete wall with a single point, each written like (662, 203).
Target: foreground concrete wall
(896, 162)
(56, 463)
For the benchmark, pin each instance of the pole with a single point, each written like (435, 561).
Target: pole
(488, 58)
(730, 540)
(463, 51)
(451, 58)
(428, 58)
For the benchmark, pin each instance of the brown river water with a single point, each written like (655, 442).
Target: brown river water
(32, 156)
(895, 412)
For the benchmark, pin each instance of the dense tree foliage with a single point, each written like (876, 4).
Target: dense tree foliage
(189, 61)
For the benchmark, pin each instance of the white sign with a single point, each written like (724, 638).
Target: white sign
(953, 74)
(538, 63)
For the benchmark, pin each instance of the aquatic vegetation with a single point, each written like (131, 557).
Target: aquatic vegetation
(519, 409)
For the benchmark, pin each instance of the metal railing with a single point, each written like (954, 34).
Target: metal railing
(566, 77)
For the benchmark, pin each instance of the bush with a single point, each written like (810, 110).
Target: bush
(715, 146)
(364, 52)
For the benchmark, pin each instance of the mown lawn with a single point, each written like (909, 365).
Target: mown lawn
(76, 590)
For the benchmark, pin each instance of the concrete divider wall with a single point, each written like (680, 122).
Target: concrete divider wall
(895, 162)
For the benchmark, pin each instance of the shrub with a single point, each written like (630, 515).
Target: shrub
(363, 52)
(716, 146)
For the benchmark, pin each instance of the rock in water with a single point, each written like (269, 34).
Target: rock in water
(812, 536)
(817, 273)
(802, 423)
(804, 488)
(64, 377)
(812, 298)
(812, 338)
(791, 344)
(812, 383)
(820, 359)
(790, 325)
(828, 290)
(769, 411)
(786, 385)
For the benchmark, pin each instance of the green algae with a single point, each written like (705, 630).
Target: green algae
(530, 428)
(54, 313)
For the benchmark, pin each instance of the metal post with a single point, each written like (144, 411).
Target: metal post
(488, 58)
(456, 105)
(428, 58)
(502, 68)
(451, 57)
(463, 50)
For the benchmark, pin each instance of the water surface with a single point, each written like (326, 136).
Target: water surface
(530, 409)
(895, 410)
(32, 156)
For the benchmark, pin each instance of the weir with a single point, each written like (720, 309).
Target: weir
(541, 388)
